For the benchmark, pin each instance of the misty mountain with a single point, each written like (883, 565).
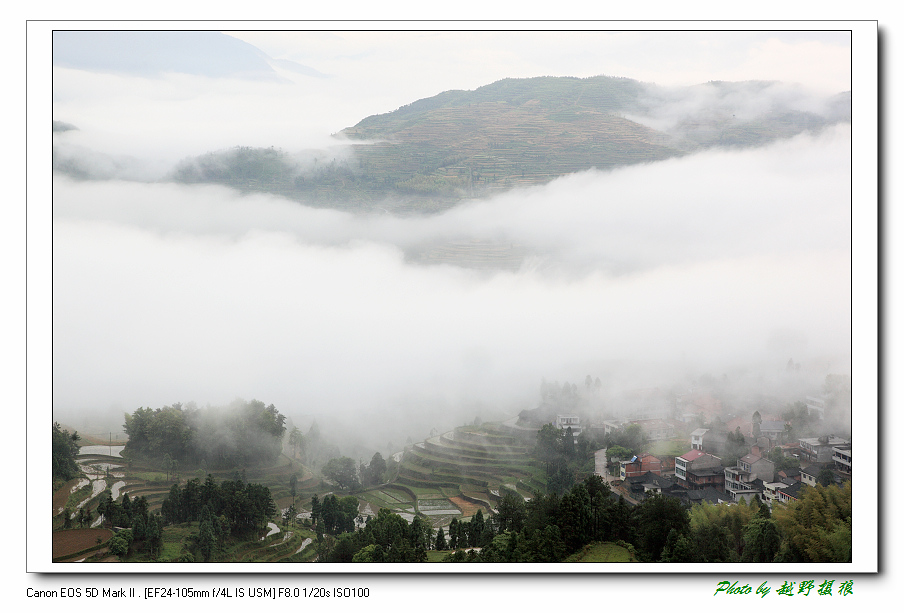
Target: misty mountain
(153, 53)
(62, 126)
(435, 152)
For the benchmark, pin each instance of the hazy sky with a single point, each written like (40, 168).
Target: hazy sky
(166, 293)
(376, 72)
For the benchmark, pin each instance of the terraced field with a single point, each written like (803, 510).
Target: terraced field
(469, 468)
(119, 476)
(449, 476)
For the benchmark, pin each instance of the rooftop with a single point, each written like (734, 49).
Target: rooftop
(692, 455)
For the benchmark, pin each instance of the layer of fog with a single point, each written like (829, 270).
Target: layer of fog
(722, 262)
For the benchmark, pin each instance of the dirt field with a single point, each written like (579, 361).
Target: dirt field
(66, 542)
(467, 508)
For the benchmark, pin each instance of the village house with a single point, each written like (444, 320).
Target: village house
(788, 473)
(771, 490)
(772, 430)
(841, 457)
(569, 421)
(639, 465)
(792, 492)
(809, 473)
(747, 478)
(819, 450)
(697, 438)
(817, 405)
(707, 494)
(644, 485)
(697, 469)
(709, 440)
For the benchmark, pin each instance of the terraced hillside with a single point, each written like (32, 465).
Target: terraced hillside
(107, 471)
(469, 468)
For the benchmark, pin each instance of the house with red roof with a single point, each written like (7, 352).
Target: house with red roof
(696, 470)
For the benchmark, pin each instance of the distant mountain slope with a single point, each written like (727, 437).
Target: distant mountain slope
(430, 154)
(513, 132)
(151, 53)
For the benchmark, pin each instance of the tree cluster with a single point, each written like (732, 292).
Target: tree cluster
(241, 434)
(385, 538)
(239, 508)
(818, 527)
(549, 528)
(144, 530)
(630, 438)
(334, 515)
(64, 450)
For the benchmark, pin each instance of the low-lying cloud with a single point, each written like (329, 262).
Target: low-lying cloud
(166, 292)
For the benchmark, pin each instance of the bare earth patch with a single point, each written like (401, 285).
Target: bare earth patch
(68, 542)
(467, 508)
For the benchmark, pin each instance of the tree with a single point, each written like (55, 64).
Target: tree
(817, 527)
(64, 450)
(169, 465)
(369, 553)
(440, 544)
(120, 543)
(617, 452)
(736, 447)
(296, 439)
(511, 512)
(343, 472)
(757, 420)
(677, 548)
(454, 533)
(207, 542)
(375, 470)
(781, 461)
(549, 442)
(568, 442)
(476, 529)
(653, 519)
(316, 509)
(711, 542)
(561, 480)
(825, 477)
(289, 515)
(576, 519)
(632, 437)
(762, 541)
(548, 545)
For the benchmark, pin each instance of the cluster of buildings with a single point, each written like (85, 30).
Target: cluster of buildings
(700, 475)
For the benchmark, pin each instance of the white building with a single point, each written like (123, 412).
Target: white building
(569, 421)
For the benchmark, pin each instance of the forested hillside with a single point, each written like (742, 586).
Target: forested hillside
(432, 153)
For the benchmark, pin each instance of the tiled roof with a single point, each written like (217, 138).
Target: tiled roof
(692, 455)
